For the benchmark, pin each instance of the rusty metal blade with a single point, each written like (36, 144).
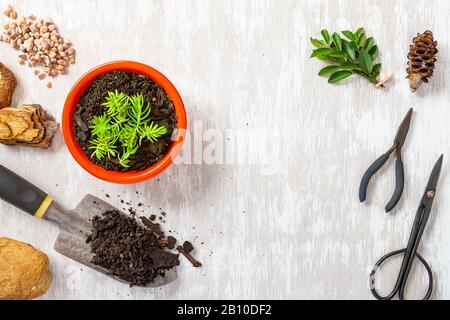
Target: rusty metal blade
(434, 176)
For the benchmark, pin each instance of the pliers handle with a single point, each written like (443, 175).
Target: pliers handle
(399, 178)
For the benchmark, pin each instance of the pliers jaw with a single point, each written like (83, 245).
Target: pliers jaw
(398, 150)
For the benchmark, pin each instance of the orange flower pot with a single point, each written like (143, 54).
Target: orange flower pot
(114, 176)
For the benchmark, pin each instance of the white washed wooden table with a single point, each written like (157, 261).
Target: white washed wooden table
(296, 232)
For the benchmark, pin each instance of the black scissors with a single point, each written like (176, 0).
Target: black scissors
(420, 221)
(378, 164)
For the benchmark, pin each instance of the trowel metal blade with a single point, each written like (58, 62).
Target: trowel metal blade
(71, 240)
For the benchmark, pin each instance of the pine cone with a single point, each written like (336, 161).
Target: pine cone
(421, 59)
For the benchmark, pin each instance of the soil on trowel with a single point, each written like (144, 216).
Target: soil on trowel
(136, 254)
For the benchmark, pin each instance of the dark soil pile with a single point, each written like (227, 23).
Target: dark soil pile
(129, 251)
(90, 105)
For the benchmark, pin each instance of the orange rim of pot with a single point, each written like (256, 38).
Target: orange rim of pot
(116, 176)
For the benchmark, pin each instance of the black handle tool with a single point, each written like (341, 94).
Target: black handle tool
(410, 252)
(75, 225)
(399, 171)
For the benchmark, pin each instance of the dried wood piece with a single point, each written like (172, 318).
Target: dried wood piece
(51, 127)
(17, 120)
(155, 227)
(384, 81)
(28, 125)
(7, 85)
(192, 260)
(37, 123)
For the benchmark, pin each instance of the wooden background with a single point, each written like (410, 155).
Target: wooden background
(243, 65)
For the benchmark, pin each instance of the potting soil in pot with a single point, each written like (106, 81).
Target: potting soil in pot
(162, 113)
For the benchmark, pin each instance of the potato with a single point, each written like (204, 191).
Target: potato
(7, 85)
(24, 271)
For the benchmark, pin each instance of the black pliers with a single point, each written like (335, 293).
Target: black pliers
(399, 171)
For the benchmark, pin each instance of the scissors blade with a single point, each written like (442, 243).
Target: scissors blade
(403, 129)
(434, 177)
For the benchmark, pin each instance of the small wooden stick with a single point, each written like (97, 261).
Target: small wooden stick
(385, 80)
(163, 242)
(188, 256)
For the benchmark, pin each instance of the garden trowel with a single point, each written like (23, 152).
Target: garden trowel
(74, 225)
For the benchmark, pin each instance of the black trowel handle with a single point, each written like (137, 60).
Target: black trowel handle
(22, 194)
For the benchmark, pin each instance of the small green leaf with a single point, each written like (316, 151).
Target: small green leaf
(359, 32)
(325, 58)
(329, 69)
(337, 41)
(321, 52)
(350, 66)
(350, 36)
(339, 75)
(318, 43)
(361, 40)
(365, 61)
(337, 54)
(369, 43)
(377, 68)
(326, 36)
(349, 50)
(374, 53)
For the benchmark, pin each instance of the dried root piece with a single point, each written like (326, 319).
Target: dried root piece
(421, 59)
(17, 122)
(28, 125)
(7, 86)
(195, 263)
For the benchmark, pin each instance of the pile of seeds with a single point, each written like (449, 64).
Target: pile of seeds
(40, 42)
(137, 254)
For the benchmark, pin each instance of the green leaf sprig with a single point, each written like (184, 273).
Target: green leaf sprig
(119, 131)
(351, 53)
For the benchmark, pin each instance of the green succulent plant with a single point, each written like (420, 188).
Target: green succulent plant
(121, 129)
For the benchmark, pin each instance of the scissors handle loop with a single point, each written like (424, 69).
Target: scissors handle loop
(400, 285)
